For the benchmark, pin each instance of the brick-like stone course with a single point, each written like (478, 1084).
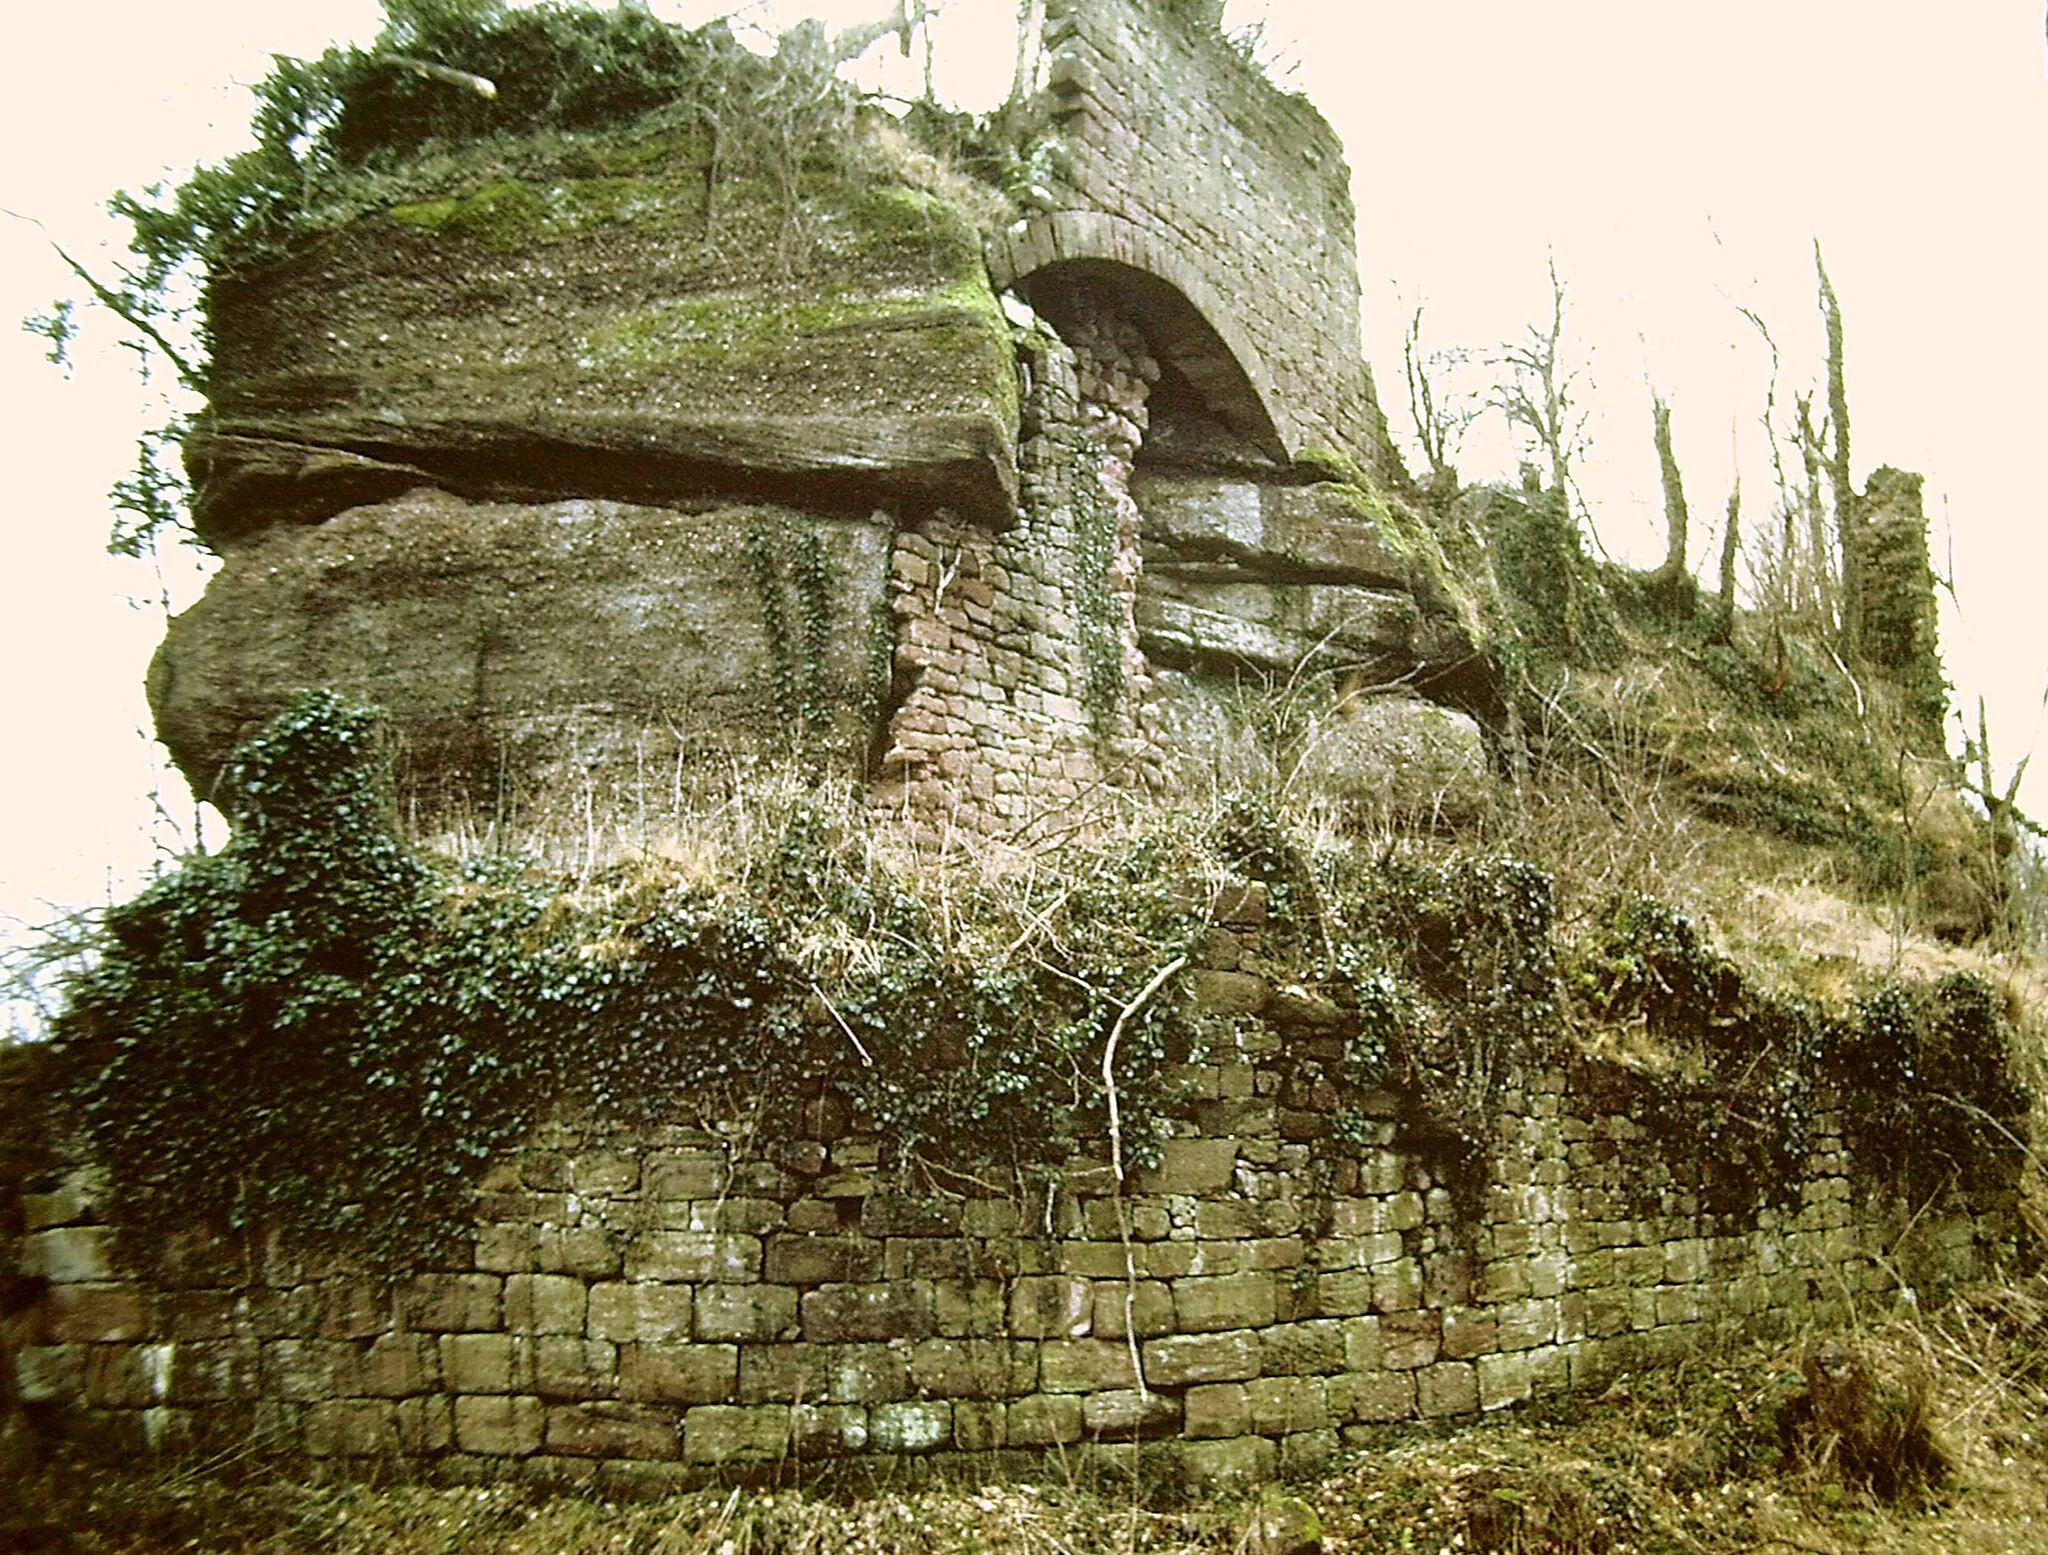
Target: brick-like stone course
(1276, 1296)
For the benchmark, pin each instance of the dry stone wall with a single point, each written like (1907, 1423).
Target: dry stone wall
(634, 1310)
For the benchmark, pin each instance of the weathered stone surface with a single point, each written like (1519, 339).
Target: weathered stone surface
(351, 1428)
(1277, 530)
(624, 1310)
(726, 1433)
(679, 1373)
(1051, 1307)
(1205, 1305)
(559, 337)
(746, 1312)
(1044, 1420)
(1123, 1413)
(453, 1303)
(611, 1431)
(1190, 1166)
(1222, 620)
(95, 1314)
(914, 1425)
(573, 631)
(849, 1314)
(1399, 758)
(499, 1427)
(69, 1255)
(1178, 1359)
(827, 1430)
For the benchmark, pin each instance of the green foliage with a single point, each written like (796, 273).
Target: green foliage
(1922, 1073)
(315, 1031)
(791, 577)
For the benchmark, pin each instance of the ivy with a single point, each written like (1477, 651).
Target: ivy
(317, 1032)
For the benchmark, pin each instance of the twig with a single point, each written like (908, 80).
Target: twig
(852, 1036)
(120, 306)
(1116, 1159)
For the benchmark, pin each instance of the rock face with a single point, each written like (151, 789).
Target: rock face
(541, 639)
(595, 337)
(593, 461)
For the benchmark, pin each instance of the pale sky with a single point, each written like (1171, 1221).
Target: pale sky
(1675, 160)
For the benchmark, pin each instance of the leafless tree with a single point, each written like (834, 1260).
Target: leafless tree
(1539, 396)
(1439, 411)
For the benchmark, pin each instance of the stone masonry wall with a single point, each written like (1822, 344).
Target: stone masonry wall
(1020, 687)
(1213, 178)
(634, 1311)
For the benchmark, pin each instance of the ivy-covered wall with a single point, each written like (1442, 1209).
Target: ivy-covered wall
(351, 1160)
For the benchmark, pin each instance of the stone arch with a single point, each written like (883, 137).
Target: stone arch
(1160, 286)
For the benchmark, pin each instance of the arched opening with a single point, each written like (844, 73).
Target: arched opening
(1209, 407)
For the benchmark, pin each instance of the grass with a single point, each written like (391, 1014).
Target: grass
(1727, 1454)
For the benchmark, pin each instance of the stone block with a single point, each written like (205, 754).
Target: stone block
(453, 1303)
(728, 1433)
(979, 1425)
(123, 1376)
(306, 1369)
(1397, 1286)
(1209, 1305)
(910, 1426)
(1358, 1252)
(485, 1363)
(827, 1430)
(1123, 1414)
(1051, 1306)
(1283, 1405)
(890, 1214)
(1148, 1304)
(588, 1251)
(216, 1371)
(94, 1314)
(604, 1174)
(1410, 1339)
(610, 1430)
(566, 1367)
(1504, 1379)
(822, 1260)
(672, 1373)
(1306, 1454)
(970, 1368)
(1447, 1388)
(1217, 1409)
(351, 1428)
(499, 1426)
(622, 1313)
(1344, 1295)
(1306, 1348)
(1179, 1359)
(1469, 1331)
(507, 1247)
(50, 1373)
(425, 1426)
(70, 1255)
(694, 1257)
(1231, 1467)
(76, 1198)
(1192, 1167)
(1523, 1325)
(545, 1304)
(1044, 1420)
(968, 1308)
(1228, 993)
(399, 1366)
(1365, 1397)
(1085, 1365)
(751, 1313)
(853, 1314)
